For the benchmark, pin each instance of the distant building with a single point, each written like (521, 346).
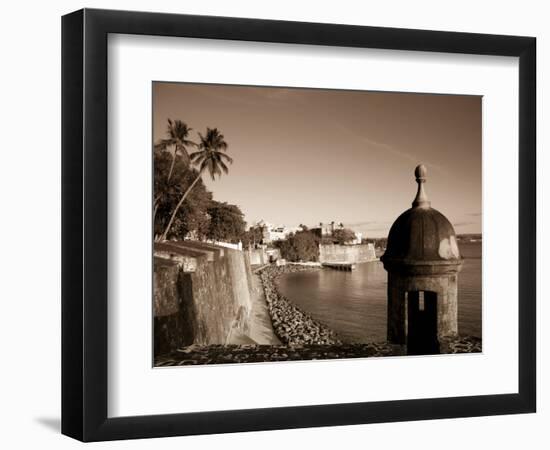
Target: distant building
(328, 229)
(272, 233)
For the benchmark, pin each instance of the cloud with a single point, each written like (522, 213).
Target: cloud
(389, 148)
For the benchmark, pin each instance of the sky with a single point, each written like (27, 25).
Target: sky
(319, 155)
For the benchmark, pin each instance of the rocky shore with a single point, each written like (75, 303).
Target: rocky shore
(292, 325)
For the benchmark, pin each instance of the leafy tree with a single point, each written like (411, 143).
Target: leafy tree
(253, 236)
(226, 222)
(211, 156)
(300, 246)
(192, 216)
(343, 236)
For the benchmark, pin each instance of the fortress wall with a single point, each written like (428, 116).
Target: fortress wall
(257, 256)
(261, 256)
(201, 301)
(346, 253)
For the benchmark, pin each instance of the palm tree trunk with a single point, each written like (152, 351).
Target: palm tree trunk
(178, 206)
(156, 202)
(172, 165)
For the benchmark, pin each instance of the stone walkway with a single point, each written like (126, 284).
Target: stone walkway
(261, 329)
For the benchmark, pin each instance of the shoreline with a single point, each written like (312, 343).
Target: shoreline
(448, 345)
(292, 325)
(301, 337)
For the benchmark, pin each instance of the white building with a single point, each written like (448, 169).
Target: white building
(273, 233)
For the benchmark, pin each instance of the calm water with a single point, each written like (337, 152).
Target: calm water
(354, 303)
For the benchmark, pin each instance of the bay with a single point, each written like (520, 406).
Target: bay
(354, 303)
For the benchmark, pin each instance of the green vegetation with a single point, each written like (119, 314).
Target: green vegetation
(300, 246)
(210, 157)
(343, 236)
(226, 222)
(253, 236)
(182, 206)
(191, 217)
(178, 133)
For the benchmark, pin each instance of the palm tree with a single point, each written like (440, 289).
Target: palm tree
(211, 156)
(178, 133)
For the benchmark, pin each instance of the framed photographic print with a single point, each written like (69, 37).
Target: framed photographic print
(273, 224)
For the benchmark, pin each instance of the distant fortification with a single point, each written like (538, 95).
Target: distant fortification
(353, 254)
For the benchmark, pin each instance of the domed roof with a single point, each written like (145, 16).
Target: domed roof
(421, 233)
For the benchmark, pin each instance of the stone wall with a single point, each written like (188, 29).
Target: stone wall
(444, 286)
(346, 253)
(202, 294)
(257, 256)
(261, 256)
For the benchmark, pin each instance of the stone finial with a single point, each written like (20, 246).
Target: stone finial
(421, 200)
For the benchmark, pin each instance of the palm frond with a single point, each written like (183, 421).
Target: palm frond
(226, 157)
(163, 143)
(183, 153)
(223, 166)
(189, 143)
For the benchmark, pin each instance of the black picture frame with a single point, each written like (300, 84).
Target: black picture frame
(84, 224)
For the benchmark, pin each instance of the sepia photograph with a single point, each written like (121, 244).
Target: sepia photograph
(280, 221)
(299, 224)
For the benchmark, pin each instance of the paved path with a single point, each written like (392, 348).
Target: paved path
(260, 330)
